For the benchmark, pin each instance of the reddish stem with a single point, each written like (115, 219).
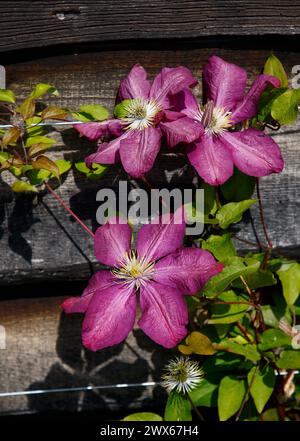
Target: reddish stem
(50, 189)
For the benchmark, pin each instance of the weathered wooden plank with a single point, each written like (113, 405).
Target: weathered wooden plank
(44, 352)
(27, 24)
(38, 244)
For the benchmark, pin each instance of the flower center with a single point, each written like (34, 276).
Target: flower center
(140, 113)
(215, 120)
(133, 270)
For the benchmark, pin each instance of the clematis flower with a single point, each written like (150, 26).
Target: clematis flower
(145, 117)
(226, 105)
(160, 270)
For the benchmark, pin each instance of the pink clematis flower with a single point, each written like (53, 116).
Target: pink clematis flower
(160, 270)
(225, 105)
(146, 116)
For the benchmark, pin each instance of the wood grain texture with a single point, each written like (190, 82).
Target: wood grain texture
(31, 24)
(40, 241)
(44, 352)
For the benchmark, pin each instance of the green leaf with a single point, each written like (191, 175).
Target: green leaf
(248, 351)
(3, 157)
(224, 361)
(272, 315)
(22, 186)
(63, 166)
(274, 67)
(93, 112)
(230, 397)
(94, 173)
(289, 360)
(285, 107)
(121, 109)
(82, 167)
(230, 313)
(289, 275)
(233, 212)
(206, 393)
(258, 279)
(266, 101)
(178, 408)
(37, 130)
(42, 162)
(37, 149)
(42, 88)
(11, 136)
(221, 247)
(221, 281)
(210, 203)
(39, 140)
(7, 96)
(27, 108)
(239, 187)
(37, 177)
(270, 415)
(53, 112)
(273, 338)
(262, 386)
(143, 416)
(197, 343)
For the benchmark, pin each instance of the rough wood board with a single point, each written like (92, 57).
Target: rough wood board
(36, 245)
(44, 352)
(27, 24)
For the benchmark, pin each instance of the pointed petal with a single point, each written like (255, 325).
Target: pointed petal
(211, 159)
(94, 130)
(170, 81)
(109, 317)
(139, 150)
(187, 270)
(134, 85)
(164, 314)
(100, 280)
(186, 102)
(253, 152)
(182, 130)
(108, 152)
(112, 242)
(223, 82)
(247, 108)
(158, 239)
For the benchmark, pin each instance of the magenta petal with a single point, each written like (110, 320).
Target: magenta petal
(186, 102)
(108, 152)
(169, 82)
(182, 130)
(109, 317)
(164, 314)
(253, 152)
(165, 236)
(247, 108)
(112, 242)
(100, 280)
(223, 82)
(211, 159)
(139, 150)
(93, 130)
(187, 270)
(134, 85)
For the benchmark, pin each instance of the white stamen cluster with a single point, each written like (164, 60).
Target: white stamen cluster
(140, 114)
(134, 271)
(217, 123)
(182, 375)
